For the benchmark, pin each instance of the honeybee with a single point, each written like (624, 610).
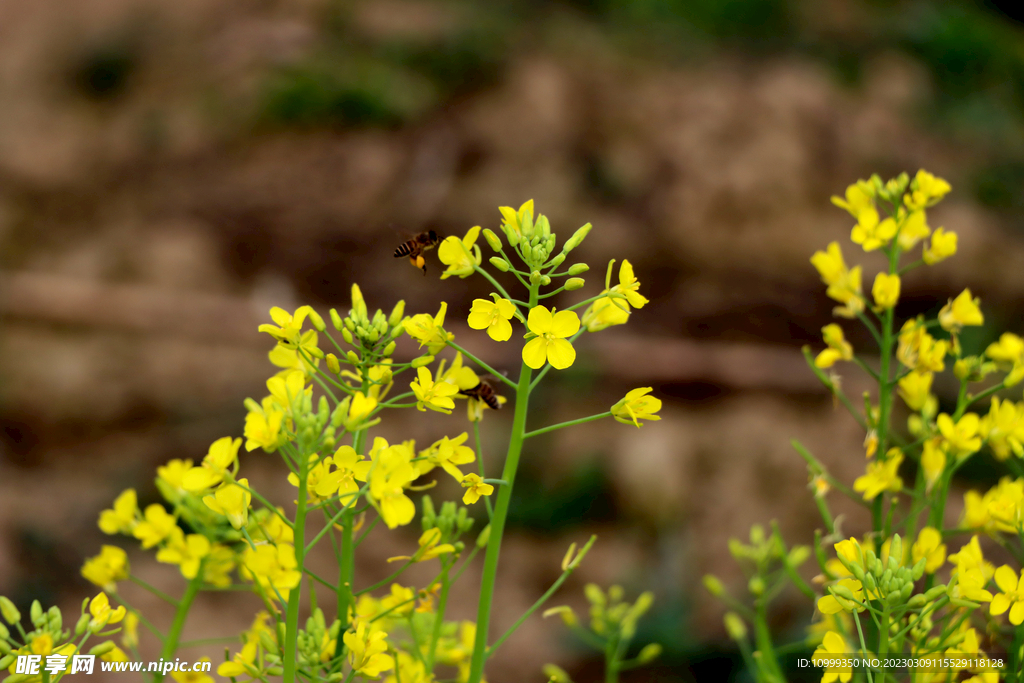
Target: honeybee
(415, 247)
(484, 391)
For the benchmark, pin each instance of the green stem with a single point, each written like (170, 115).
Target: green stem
(171, 640)
(490, 572)
(442, 602)
(155, 591)
(480, 464)
(570, 423)
(346, 565)
(295, 595)
(485, 366)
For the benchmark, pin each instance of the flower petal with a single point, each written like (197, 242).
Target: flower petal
(478, 319)
(506, 308)
(500, 330)
(535, 352)
(565, 324)
(1006, 579)
(1000, 604)
(539, 320)
(1017, 613)
(561, 354)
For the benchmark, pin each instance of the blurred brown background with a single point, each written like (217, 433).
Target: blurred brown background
(169, 171)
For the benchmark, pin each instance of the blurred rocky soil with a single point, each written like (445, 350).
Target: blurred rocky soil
(148, 220)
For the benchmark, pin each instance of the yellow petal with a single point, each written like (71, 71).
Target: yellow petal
(539, 320)
(535, 351)
(500, 330)
(561, 354)
(565, 324)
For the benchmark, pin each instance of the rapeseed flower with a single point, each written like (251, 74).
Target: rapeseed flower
(838, 348)
(550, 344)
(972, 572)
(913, 229)
(222, 456)
(517, 222)
(881, 476)
(613, 309)
(636, 406)
(430, 546)
(243, 663)
(961, 312)
(410, 670)
(288, 328)
(844, 284)
(886, 290)
(933, 462)
(833, 648)
(460, 255)
(961, 437)
(428, 330)
(171, 477)
(918, 350)
(447, 454)
(156, 525)
(1008, 351)
(102, 613)
(872, 233)
(107, 568)
(193, 676)
(929, 545)
(915, 389)
(941, 246)
(493, 316)
(1003, 428)
(367, 652)
(838, 602)
(272, 567)
(217, 566)
(263, 427)
(231, 500)
(185, 551)
(393, 472)
(475, 487)
(1011, 595)
(122, 517)
(925, 190)
(431, 394)
(859, 198)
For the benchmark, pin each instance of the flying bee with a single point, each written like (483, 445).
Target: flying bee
(484, 391)
(415, 247)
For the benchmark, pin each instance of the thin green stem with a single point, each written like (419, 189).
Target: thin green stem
(155, 591)
(184, 605)
(295, 594)
(442, 603)
(570, 423)
(482, 364)
(480, 464)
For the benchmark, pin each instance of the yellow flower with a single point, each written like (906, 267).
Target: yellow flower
(186, 552)
(881, 476)
(960, 312)
(859, 198)
(629, 285)
(447, 453)
(431, 394)
(550, 344)
(121, 519)
(232, 501)
(156, 526)
(289, 359)
(193, 676)
(461, 256)
(494, 317)
(272, 567)
(428, 330)
(286, 391)
(925, 190)
(833, 648)
(475, 487)
(1008, 351)
(915, 389)
(1011, 596)
(104, 570)
(614, 310)
(217, 566)
(918, 350)
(130, 636)
(914, 229)
(886, 290)
(636, 406)
(872, 233)
(929, 545)
(941, 246)
(399, 601)
(514, 221)
(972, 572)
(223, 454)
(961, 438)
(243, 663)
(367, 652)
(430, 547)
(359, 410)
(833, 603)
(289, 327)
(102, 613)
(843, 284)
(263, 427)
(172, 475)
(393, 472)
(933, 462)
(1003, 428)
(410, 670)
(838, 347)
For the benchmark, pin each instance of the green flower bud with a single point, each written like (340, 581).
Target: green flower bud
(102, 648)
(577, 238)
(545, 280)
(858, 572)
(842, 592)
(82, 624)
(535, 277)
(893, 599)
(350, 324)
(389, 349)
(35, 613)
(916, 601)
(906, 591)
(485, 535)
(649, 653)
(578, 268)
(4, 633)
(374, 335)
(336, 320)
(500, 263)
(886, 575)
(9, 611)
(318, 322)
(555, 674)
(798, 555)
(934, 593)
(756, 585)
(56, 619)
(574, 283)
(421, 361)
(542, 226)
(352, 357)
(896, 549)
(6, 661)
(340, 412)
(492, 239)
(397, 332)
(918, 570)
(347, 336)
(713, 585)
(332, 363)
(556, 261)
(734, 626)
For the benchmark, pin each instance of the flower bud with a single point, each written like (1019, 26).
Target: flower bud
(336, 320)
(35, 613)
(485, 535)
(4, 633)
(577, 238)
(389, 349)
(556, 261)
(352, 357)
(56, 619)
(9, 611)
(934, 593)
(350, 324)
(510, 234)
(916, 601)
(713, 585)
(358, 302)
(317, 321)
(893, 599)
(347, 336)
(574, 283)
(756, 586)
(843, 592)
(545, 280)
(734, 626)
(578, 268)
(6, 661)
(798, 554)
(83, 623)
(906, 591)
(649, 653)
(555, 674)
(492, 239)
(858, 572)
(421, 361)
(102, 648)
(896, 549)
(397, 313)
(332, 363)
(535, 277)
(499, 263)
